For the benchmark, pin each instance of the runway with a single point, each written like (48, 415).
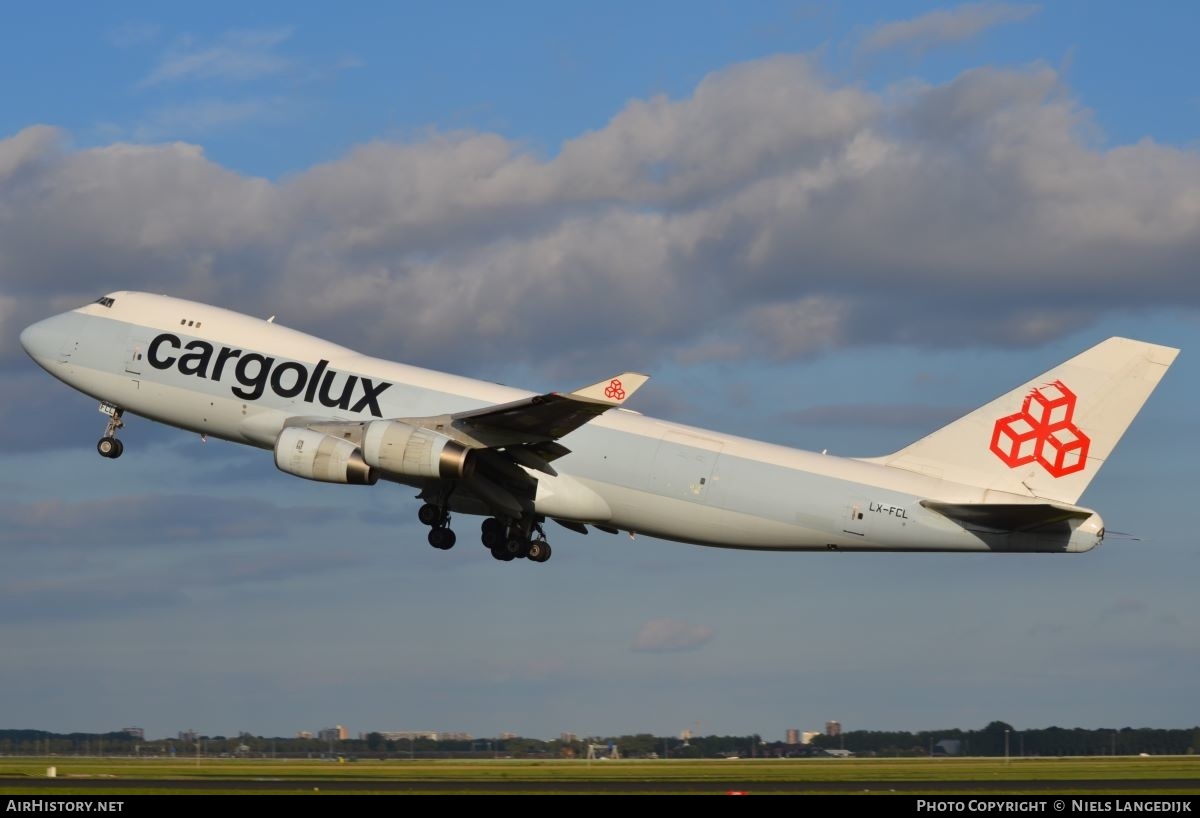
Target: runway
(553, 786)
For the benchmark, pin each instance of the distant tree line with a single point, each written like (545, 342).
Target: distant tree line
(1045, 741)
(374, 745)
(989, 741)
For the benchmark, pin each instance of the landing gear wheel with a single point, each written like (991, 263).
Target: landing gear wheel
(515, 548)
(502, 554)
(492, 533)
(110, 447)
(429, 514)
(539, 551)
(442, 538)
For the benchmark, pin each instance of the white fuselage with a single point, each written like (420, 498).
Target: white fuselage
(227, 375)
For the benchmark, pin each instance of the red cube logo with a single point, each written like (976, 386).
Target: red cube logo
(1043, 431)
(1051, 406)
(1015, 440)
(1063, 451)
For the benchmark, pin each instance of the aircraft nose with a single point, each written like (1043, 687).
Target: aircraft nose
(38, 340)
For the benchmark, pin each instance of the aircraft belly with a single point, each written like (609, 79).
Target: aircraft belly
(757, 505)
(175, 406)
(678, 519)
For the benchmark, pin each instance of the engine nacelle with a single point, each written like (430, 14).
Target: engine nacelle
(317, 456)
(400, 448)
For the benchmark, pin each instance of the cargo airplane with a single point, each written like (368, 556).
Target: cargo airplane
(1004, 478)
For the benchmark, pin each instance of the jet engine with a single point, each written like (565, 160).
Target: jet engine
(412, 451)
(317, 456)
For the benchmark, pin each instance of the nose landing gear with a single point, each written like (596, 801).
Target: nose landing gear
(110, 446)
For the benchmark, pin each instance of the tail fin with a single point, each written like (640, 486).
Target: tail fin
(1049, 437)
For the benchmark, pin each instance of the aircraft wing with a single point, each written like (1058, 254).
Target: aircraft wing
(537, 421)
(501, 438)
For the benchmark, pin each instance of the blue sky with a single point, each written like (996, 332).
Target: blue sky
(825, 225)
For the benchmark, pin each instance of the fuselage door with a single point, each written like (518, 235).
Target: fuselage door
(136, 357)
(684, 466)
(855, 519)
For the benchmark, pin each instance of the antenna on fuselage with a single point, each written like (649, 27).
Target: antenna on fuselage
(271, 320)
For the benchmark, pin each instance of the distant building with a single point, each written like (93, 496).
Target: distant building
(335, 733)
(409, 735)
(948, 747)
(793, 736)
(304, 734)
(808, 735)
(137, 732)
(507, 736)
(187, 735)
(454, 736)
(568, 738)
(833, 728)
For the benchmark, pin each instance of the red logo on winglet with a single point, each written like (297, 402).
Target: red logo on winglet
(614, 390)
(1043, 431)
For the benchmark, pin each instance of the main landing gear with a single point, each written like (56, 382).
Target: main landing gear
(523, 539)
(110, 446)
(438, 520)
(507, 540)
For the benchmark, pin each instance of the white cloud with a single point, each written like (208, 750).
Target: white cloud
(204, 116)
(236, 56)
(670, 636)
(943, 26)
(26, 150)
(771, 213)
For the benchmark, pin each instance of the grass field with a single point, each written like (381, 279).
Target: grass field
(1163, 776)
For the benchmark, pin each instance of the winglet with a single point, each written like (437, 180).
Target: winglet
(612, 391)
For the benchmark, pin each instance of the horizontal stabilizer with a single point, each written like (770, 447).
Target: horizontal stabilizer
(1008, 516)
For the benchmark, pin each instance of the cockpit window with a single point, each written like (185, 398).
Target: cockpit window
(105, 301)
